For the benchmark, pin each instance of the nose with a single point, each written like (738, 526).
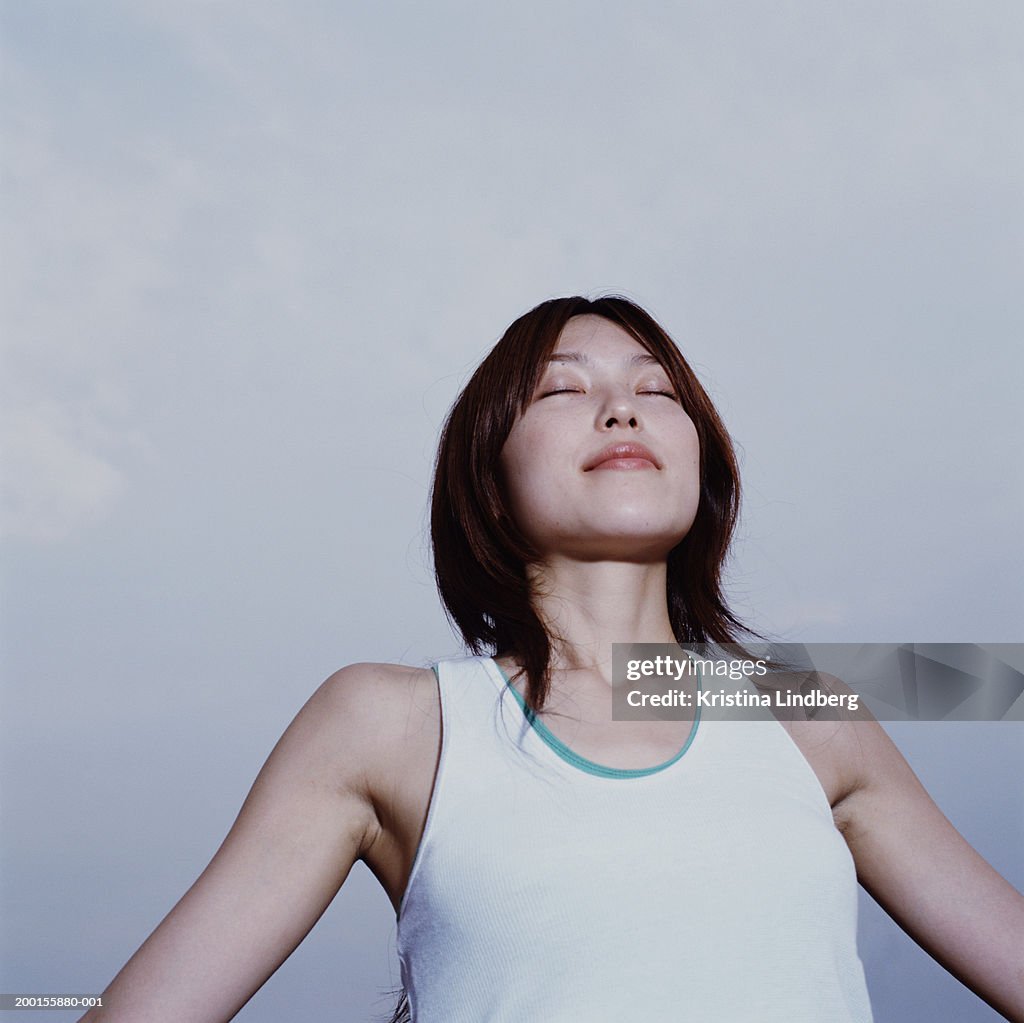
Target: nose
(618, 409)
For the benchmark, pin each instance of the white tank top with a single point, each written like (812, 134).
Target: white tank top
(712, 888)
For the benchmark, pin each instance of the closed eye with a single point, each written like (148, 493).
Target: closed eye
(561, 390)
(665, 394)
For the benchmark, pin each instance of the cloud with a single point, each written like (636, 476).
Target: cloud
(55, 480)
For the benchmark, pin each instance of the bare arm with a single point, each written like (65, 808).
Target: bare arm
(307, 818)
(930, 880)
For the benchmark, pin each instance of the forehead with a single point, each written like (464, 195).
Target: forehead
(590, 339)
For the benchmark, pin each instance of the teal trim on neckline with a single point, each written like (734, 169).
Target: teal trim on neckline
(570, 756)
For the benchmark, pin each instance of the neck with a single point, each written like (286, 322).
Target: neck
(588, 606)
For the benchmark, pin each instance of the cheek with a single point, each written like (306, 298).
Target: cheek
(523, 453)
(516, 471)
(529, 471)
(688, 443)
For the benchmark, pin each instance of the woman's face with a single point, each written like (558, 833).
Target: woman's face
(603, 464)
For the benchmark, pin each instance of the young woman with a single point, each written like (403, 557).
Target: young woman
(547, 861)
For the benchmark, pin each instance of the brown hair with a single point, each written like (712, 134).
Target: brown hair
(480, 556)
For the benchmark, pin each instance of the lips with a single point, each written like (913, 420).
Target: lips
(623, 456)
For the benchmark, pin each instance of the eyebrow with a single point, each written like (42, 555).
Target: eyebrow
(581, 358)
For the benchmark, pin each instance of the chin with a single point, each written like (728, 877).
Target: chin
(640, 545)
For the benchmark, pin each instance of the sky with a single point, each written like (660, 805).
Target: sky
(252, 251)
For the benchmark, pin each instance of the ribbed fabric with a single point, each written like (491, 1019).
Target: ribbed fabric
(715, 890)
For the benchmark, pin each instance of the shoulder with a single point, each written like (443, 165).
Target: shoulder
(867, 779)
(377, 720)
(360, 722)
(370, 686)
(373, 700)
(849, 750)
